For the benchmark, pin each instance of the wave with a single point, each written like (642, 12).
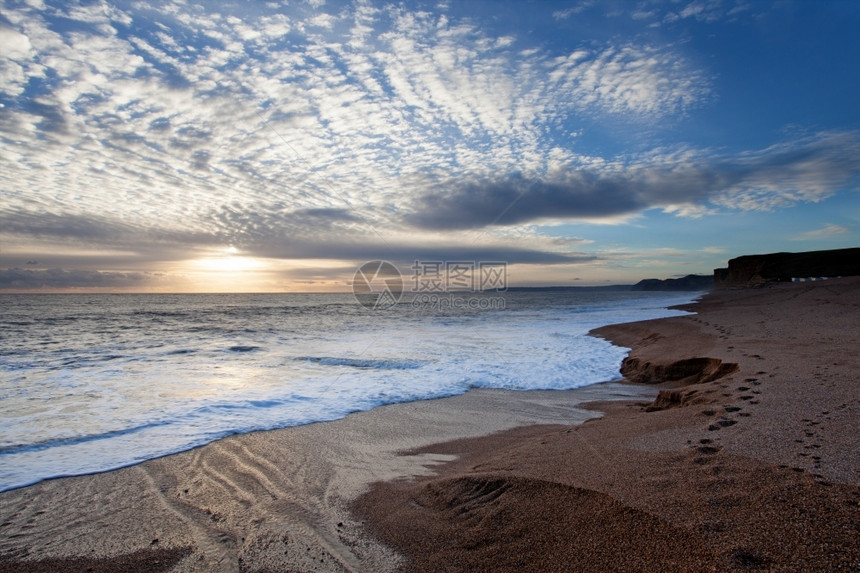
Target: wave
(380, 364)
(59, 442)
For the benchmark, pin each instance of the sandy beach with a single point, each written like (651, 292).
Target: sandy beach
(265, 501)
(741, 452)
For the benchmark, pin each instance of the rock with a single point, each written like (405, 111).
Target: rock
(684, 372)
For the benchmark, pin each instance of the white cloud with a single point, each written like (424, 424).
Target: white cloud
(785, 174)
(15, 44)
(568, 12)
(323, 21)
(689, 210)
(828, 230)
(630, 79)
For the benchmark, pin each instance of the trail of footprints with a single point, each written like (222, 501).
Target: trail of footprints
(729, 412)
(724, 332)
(717, 478)
(727, 415)
(812, 437)
(749, 394)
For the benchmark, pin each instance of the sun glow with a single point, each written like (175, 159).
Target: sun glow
(231, 270)
(227, 270)
(230, 264)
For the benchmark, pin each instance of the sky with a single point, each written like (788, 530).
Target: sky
(276, 146)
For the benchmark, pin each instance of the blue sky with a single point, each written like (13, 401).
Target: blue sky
(270, 146)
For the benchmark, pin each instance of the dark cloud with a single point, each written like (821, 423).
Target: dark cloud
(759, 180)
(54, 119)
(339, 234)
(319, 233)
(327, 214)
(76, 227)
(518, 200)
(97, 232)
(200, 160)
(584, 194)
(405, 254)
(60, 279)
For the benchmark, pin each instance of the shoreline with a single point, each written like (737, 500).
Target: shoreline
(208, 384)
(749, 458)
(518, 395)
(274, 500)
(712, 478)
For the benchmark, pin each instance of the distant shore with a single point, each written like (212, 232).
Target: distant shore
(748, 459)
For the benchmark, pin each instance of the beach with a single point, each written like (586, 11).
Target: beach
(741, 452)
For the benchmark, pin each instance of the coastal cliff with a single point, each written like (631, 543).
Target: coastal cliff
(757, 270)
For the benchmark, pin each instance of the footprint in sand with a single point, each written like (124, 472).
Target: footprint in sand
(708, 450)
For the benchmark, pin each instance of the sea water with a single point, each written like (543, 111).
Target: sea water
(95, 382)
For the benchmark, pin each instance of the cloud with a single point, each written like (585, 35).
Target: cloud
(828, 230)
(808, 170)
(516, 200)
(158, 130)
(96, 233)
(267, 232)
(24, 279)
(15, 44)
(568, 12)
(630, 79)
(687, 184)
(406, 254)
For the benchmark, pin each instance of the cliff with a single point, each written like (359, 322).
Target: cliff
(757, 270)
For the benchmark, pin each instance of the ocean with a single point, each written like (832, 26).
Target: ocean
(95, 382)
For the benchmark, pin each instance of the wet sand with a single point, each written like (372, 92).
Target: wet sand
(748, 459)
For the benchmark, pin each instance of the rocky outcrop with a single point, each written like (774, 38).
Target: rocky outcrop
(675, 399)
(682, 372)
(758, 270)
